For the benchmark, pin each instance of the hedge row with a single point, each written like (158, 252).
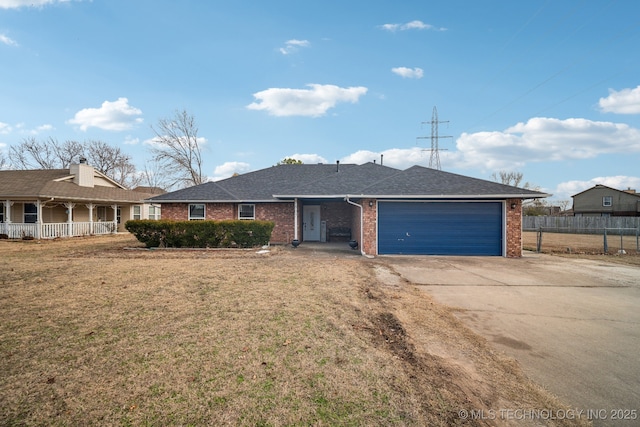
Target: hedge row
(201, 234)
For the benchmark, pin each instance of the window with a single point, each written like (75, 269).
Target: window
(196, 212)
(1, 211)
(246, 211)
(137, 212)
(607, 201)
(30, 213)
(154, 212)
(102, 213)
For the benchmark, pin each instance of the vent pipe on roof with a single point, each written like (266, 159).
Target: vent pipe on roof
(381, 157)
(337, 165)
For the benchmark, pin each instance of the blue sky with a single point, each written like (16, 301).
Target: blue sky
(543, 87)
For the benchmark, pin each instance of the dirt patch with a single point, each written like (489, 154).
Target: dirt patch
(99, 331)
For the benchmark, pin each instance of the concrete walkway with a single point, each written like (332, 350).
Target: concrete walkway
(574, 325)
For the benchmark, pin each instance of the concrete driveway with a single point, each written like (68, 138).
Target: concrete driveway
(574, 325)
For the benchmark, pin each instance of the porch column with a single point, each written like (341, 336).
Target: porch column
(7, 215)
(69, 207)
(115, 218)
(90, 207)
(38, 220)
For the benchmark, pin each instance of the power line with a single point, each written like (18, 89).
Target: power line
(434, 159)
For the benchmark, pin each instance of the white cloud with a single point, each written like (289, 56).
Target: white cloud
(544, 139)
(313, 102)
(8, 41)
(626, 101)
(400, 158)
(16, 4)
(129, 140)
(5, 128)
(408, 73)
(567, 189)
(308, 158)
(292, 46)
(413, 25)
(227, 170)
(39, 129)
(115, 116)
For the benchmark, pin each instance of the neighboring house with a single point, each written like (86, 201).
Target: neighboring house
(386, 210)
(78, 201)
(601, 200)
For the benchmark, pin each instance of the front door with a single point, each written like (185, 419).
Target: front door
(311, 223)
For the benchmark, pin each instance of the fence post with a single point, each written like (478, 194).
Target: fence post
(606, 249)
(539, 240)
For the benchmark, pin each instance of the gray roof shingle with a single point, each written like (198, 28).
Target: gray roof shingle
(42, 183)
(321, 180)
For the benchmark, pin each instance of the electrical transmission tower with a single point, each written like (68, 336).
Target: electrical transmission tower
(434, 160)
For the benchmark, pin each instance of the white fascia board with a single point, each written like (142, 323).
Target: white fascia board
(216, 201)
(422, 196)
(449, 196)
(312, 196)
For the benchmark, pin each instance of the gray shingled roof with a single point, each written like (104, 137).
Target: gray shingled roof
(42, 184)
(330, 181)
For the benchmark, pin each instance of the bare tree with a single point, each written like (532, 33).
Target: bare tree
(34, 154)
(112, 162)
(68, 152)
(51, 154)
(177, 148)
(509, 178)
(3, 161)
(153, 176)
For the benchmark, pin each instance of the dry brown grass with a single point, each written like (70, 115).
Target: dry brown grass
(590, 246)
(93, 333)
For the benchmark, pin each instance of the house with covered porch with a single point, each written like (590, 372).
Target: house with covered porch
(416, 211)
(79, 201)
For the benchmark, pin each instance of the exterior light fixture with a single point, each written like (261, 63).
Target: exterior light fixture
(513, 205)
(370, 203)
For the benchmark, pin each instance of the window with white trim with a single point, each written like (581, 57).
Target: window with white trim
(246, 211)
(30, 213)
(137, 212)
(607, 201)
(196, 212)
(154, 212)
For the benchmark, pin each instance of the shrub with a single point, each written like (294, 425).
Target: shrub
(201, 234)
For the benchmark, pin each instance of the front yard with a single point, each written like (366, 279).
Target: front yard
(98, 331)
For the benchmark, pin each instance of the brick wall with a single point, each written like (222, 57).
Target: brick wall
(283, 216)
(369, 245)
(514, 228)
(281, 213)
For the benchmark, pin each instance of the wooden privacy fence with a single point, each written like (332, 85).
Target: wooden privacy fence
(628, 225)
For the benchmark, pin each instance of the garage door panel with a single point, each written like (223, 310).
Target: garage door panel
(464, 228)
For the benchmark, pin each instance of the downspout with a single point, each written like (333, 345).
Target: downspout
(295, 219)
(361, 223)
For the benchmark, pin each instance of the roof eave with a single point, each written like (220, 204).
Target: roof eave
(417, 196)
(152, 200)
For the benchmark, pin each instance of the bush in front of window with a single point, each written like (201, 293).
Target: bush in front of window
(201, 234)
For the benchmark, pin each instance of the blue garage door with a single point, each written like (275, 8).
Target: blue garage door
(440, 228)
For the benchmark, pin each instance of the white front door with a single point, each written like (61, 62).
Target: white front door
(311, 223)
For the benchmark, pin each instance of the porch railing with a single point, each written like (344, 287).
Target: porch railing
(53, 230)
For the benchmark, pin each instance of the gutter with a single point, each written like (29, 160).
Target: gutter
(418, 196)
(346, 199)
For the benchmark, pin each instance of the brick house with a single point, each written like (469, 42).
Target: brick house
(386, 210)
